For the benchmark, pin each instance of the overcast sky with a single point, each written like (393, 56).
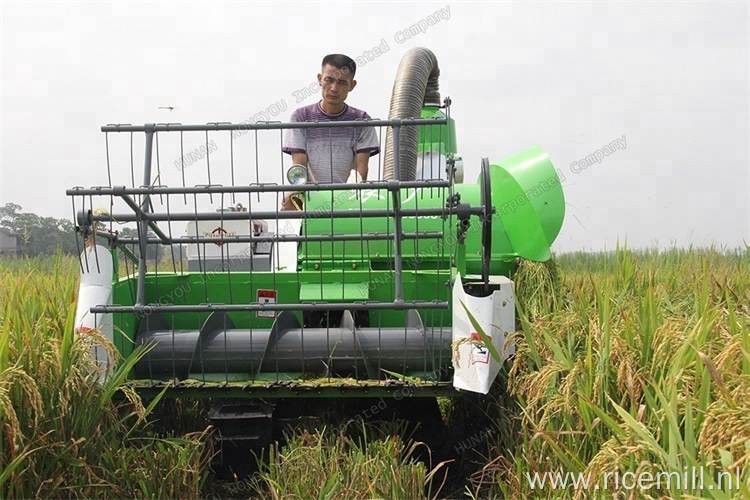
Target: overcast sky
(667, 81)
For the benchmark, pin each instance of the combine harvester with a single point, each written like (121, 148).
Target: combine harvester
(363, 293)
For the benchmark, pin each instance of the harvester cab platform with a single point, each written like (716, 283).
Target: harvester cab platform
(396, 285)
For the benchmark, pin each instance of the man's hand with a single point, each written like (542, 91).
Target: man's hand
(292, 201)
(286, 203)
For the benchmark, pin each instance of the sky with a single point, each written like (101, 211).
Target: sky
(657, 92)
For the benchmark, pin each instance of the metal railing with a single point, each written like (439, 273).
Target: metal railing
(151, 207)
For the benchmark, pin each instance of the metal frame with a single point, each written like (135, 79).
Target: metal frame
(139, 200)
(145, 219)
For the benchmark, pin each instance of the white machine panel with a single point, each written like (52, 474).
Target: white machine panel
(475, 368)
(96, 290)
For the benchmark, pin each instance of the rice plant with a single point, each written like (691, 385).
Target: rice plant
(646, 369)
(65, 433)
(323, 464)
(539, 287)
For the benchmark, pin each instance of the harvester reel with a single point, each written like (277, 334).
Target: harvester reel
(486, 201)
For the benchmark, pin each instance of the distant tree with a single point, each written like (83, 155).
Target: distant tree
(39, 235)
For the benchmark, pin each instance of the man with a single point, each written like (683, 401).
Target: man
(330, 154)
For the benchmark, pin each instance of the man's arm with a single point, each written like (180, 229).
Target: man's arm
(299, 159)
(367, 145)
(362, 168)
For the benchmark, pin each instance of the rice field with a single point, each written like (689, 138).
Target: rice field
(643, 366)
(64, 434)
(628, 362)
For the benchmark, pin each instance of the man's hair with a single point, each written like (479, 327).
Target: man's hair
(340, 61)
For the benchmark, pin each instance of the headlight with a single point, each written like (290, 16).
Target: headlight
(297, 175)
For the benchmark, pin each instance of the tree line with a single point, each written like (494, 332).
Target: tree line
(39, 235)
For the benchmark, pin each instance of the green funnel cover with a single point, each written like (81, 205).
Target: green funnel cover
(529, 203)
(525, 192)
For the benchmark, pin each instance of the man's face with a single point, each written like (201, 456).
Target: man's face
(335, 84)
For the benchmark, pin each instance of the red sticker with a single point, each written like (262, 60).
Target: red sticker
(475, 336)
(266, 297)
(479, 354)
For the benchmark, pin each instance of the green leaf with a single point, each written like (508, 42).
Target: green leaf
(487, 342)
(645, 435)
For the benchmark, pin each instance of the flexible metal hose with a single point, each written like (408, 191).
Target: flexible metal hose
(416, 85)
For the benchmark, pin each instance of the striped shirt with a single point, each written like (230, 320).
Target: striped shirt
(331, 152)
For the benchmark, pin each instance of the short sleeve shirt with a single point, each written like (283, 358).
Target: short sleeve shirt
(331, 152)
